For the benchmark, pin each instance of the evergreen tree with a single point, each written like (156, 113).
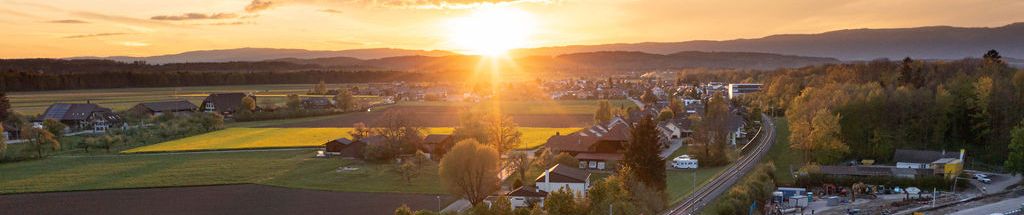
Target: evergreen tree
(642, 154)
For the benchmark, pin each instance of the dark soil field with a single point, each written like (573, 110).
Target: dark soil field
(226, 199)
(443, 116)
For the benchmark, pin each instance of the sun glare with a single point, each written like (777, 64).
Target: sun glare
(492, 31)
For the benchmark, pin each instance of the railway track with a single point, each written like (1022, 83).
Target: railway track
(722, 182)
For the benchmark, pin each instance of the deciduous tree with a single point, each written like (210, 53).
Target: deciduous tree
(604, 112)
(40, 140)
(55, 127)
(470, 170)
(5, 106)
(248, 104)
(344, 100)
(1015, 161)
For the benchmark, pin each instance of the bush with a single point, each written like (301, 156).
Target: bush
(283, 114)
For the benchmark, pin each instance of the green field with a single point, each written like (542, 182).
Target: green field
(122, 99)
(281, 168)
(255, 138)
(782, 155)
(530, 107)
(681, 182)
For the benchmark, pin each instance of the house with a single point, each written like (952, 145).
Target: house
(346, 148)
(437, 144)
(164, 107)
(560, 176)
(223, 103)
(735, 125)
(317, 103)
(10, 132)
(598, 147)
(79, 117)
(526, 197)
(921, 159)
(736, 90)
(874, 171)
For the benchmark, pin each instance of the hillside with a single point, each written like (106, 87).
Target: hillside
(260, 54)
(937, 42)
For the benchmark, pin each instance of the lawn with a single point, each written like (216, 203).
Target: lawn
(122, 99)
(530, 107)
(258, 138)
(783, 157)
(280, 168)
(681, 182)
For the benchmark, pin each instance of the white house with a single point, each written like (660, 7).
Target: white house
(736, 90)
(559, 176)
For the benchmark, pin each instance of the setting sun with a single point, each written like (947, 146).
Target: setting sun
(492, 31)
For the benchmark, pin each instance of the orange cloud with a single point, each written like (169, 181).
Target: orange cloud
(193, 16)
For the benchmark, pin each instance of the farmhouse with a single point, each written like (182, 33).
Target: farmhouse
(79, 117)
(317, 103)
(559, 176)
(164, 107)
(346, 148)
(437, 144)
(223, 103)
(597, 147)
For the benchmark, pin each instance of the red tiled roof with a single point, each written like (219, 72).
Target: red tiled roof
(599, 156)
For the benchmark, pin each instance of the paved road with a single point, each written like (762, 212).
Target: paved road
(703, 196)
(998, 207)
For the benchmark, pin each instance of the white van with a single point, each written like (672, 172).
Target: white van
(684, 163)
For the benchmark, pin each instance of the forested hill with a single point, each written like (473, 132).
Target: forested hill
(581, 62)
(867, 110)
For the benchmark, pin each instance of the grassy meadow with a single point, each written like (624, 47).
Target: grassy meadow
(530, 107)
(122, 99)
(261, 138)
(294, 168)
(783, 157)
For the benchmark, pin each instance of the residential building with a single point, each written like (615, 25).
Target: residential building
(599, 147)
(526, 197)
(79, 117)
(164, 107)
(560, 176)
(223, 103)
(437, 144)
(736, 90)
(317, 103)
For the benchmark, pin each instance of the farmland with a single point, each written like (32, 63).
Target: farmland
(261, 138)
(122, 99)
(288, 168)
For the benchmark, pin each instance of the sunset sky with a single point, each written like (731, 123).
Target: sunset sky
(65, 28)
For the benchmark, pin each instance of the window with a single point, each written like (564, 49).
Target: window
(600, 165)
(593, 164)
(583, 164)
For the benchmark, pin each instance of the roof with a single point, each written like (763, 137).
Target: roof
(342, 140)
(856, 170)
(564, 174)
(436, 138)
(165, 106)
(65, 111)
(921, 156)
(527, 191)
(572, 143)
(599, 156)
(225, 102)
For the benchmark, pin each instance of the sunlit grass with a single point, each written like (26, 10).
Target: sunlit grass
(263, 138)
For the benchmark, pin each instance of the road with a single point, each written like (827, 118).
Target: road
(998, 207)
(721, 183)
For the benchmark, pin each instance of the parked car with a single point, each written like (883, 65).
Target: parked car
(985, 180)
(980, 176)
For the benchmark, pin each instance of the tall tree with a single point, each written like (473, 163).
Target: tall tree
(359, 131)
(248, 104)
(604, 112)
(503, 133)
(55, 127)
(828, 146)
(1015, 160)
(5, 106)
(40, 140)
(344, 100)
(711, 134)
(320, 88)
(520, 161)
(981, 116)
(642, 154)
(293, 102)
(470, 171)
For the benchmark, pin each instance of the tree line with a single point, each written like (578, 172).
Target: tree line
(12, 80)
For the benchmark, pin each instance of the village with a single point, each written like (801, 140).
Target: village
(571, 159)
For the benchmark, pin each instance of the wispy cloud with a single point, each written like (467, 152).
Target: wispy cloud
(229, 23)
(331, 11)
(69, 21)
(93, 35)
(258, 5)
(195, 16)
(133, 44)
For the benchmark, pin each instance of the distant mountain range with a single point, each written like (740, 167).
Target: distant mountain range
(590, 61)
(261, 54)
(937, 42)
